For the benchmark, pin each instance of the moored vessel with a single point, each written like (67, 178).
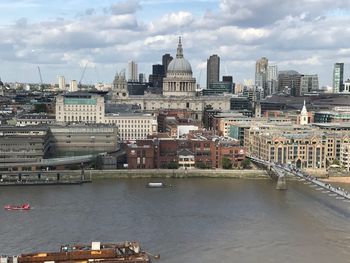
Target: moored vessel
(127, 252)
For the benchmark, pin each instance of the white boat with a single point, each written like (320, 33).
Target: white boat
(157, 185)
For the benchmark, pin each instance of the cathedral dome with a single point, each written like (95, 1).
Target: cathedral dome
(179, 64)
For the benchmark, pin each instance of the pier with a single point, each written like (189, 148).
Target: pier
(28, 178)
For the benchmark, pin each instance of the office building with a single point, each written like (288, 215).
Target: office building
(73, 86)
(261, 74)
(289, 82)
(133, 126)
(80, 107)
(166, 59)
(213, 70)
(272, 79)
(61, 83)
(308, 83)
(338, 77)
(132, 71)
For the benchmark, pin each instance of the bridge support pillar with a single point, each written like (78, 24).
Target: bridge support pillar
(281, 183)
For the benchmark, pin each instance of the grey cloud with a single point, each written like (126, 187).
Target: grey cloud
(124, 7)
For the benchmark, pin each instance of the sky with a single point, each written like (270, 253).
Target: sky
(61, 37)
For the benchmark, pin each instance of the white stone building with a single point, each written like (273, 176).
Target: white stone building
(80, 107)
(133, 126)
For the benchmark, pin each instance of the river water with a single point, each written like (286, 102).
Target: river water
(199, 220)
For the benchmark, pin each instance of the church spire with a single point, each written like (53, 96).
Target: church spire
(179, 53)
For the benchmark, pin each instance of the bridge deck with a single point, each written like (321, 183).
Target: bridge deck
(343, 194)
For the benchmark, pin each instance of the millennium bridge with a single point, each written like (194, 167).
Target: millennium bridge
(280, 170)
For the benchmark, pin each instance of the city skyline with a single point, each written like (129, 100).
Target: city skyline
(308, 37)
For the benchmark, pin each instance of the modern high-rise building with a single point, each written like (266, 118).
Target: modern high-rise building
(308, 83)
(142, 78)
(289, 82)
(261, 74)
(338, 77)
(272, 79)
(213, 70)
(133, 76)
(61, 83)
(166, 59)
(73, 85)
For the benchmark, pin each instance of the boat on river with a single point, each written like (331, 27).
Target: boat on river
(157, 185)
(25, 206)
(126, 252)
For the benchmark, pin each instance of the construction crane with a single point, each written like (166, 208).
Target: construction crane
(82, 76)
(41, 79)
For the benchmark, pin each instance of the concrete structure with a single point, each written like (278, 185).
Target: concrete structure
(80, 107)
(73, 86)
(61, 83)
(78, 139)
(219, 87)
(261, 74)
(132, 71)
(345, 155)
(289, 82)
(133, 126)
(347, 86)
(166, 59)
(272, 79)
(24, 144)
(335, 115)
(213, 70)
(308, 83)
(338, 77)
(34, 119)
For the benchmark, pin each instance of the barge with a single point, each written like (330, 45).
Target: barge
(127, 252)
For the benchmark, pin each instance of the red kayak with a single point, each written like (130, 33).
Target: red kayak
(17, 207)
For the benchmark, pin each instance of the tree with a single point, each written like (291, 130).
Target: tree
(246, 163)
(172, 165)
(226, 163)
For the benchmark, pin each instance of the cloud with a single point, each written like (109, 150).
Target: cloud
(124, 7)
(307, 35)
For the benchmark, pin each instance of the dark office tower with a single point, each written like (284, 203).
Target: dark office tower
(338, 77)
(165, 62)
(156, 78)
(227, 79)
(158, 70)
(230, 80)
(289, 82)
(213, 69)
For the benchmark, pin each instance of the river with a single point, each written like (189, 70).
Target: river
(199, 220)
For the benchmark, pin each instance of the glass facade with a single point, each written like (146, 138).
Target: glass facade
(80, 101)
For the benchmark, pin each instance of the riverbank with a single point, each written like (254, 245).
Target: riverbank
(180, 173)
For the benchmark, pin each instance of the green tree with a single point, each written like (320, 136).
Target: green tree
(246, 163)
(226, 163)
(172, 165)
